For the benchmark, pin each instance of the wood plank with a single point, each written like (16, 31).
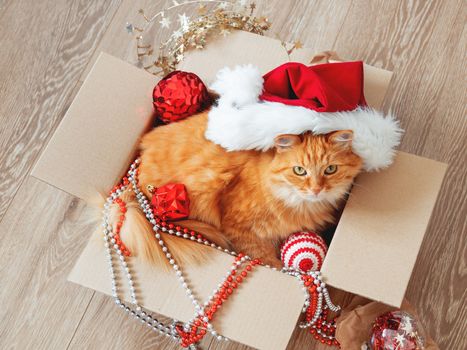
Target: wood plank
(45, 46)
(38, 248)
(438, 285)
(117, 41)
(104, 326)
(315, 23)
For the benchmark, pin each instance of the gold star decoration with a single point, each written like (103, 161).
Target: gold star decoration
(298, 44)
(202, 9)
(289, 48)
(195, 32)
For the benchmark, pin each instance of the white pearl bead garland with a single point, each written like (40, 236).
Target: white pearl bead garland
(150, 321)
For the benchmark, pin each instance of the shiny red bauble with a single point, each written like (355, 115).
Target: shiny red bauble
(396, 330)
(179, 95)
(171, 202)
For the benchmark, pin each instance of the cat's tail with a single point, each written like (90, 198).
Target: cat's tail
(137, 235)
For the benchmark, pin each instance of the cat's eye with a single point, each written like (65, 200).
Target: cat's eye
(298, 170)
(331, 169)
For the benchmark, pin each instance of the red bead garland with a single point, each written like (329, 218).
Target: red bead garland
(121, 219)
(234, 280)
(326, 328)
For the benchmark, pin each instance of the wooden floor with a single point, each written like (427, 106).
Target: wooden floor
(46, 49)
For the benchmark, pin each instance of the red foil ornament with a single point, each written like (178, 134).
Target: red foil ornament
(179, 95)
(171, 202)
(396, 330)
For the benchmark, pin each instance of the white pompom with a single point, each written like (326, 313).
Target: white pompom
(239, 86)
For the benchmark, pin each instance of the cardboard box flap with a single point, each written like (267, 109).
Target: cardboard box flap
(381, 229)
(91, 148)
(96, 140)
(262, 313)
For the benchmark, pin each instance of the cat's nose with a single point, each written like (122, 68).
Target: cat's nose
(316, 190)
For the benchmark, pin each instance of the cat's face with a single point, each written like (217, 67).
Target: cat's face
(313, 168)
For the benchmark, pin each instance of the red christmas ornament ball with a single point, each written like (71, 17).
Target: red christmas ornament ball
(179, 95)
(304, 251)
(396, 330)
(171, 202)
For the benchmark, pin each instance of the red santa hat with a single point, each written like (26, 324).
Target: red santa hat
(292, 99)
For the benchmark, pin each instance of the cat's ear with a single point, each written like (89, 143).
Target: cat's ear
(341, 137)
(286, 141)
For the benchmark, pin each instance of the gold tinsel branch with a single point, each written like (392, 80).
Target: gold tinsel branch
(193, 33)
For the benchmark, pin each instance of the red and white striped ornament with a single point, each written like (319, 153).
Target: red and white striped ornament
(304, 251)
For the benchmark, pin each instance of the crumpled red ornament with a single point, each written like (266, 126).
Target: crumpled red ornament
(171, 202)
(179, 95)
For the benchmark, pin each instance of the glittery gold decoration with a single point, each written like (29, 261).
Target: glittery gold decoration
(221, 18)
(291, 47)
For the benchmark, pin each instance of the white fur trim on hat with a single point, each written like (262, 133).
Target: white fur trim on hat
(241, 122)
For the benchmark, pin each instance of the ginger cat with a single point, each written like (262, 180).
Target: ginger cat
(250, 200)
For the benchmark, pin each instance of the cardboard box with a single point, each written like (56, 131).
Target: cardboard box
(372, 253)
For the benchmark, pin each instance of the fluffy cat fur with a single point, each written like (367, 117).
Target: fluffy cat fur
(246, 200)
